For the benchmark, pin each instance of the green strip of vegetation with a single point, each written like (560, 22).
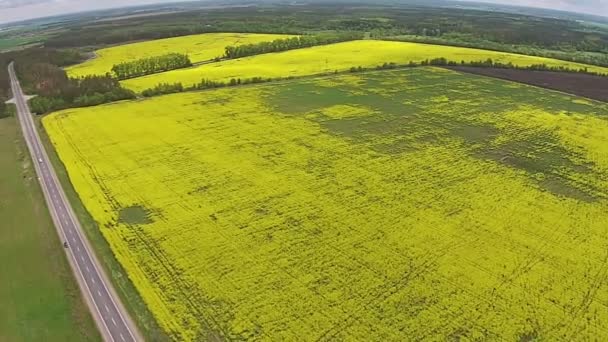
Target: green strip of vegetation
(151, 65)
(40, 300)
(287, 44)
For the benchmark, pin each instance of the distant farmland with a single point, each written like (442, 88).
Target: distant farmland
(340, 57)
(371, 206)
(199, 48)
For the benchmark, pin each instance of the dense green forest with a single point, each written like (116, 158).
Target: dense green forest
(151, 65)
(289, 44)
(40, 72)
(32, 69)
(565, 39)
(82, 92)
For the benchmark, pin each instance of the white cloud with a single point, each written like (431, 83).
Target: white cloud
(15, 10)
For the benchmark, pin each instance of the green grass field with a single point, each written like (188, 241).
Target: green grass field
(12, 43)
(417, 204)
(39, 298)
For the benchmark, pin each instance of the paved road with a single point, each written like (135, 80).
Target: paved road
(110, 316)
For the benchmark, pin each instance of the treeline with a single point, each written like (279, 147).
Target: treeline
(488, 63)
(600, 59)
(151, 65)
(168, 88)
(286, 44)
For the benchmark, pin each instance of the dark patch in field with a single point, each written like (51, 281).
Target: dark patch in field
(135, 214)
(560, 187)
(299, 98)
(540, 154)
(590, 86)
(199, 190)
(476, 134)
(424, 111)
(529, 336)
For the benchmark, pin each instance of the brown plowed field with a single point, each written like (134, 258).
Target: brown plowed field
(593, 87)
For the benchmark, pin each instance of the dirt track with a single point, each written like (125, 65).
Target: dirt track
(593, 87)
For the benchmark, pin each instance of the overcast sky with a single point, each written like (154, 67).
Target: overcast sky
(14, 10)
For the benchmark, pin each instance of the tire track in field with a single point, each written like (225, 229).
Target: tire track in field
(153, 250)
(600, 279)
(387, 290)
(534, 258)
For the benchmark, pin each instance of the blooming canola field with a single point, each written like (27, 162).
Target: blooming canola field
(200, 48)
(340, 57)
(418, 204)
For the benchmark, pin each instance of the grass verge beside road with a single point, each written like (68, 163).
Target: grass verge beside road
(134, 304)
(40, 301)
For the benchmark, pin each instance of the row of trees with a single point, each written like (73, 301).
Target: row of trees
(489, 63)
(151, 65)
(170, 88)
(565, 53)
(289, 44)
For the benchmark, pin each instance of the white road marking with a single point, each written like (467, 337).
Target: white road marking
(82, 258)
(113, 321)
(78, 249)
(93, 280)
(98, 293)
(87, 268)
(106, 307)
(122, 337)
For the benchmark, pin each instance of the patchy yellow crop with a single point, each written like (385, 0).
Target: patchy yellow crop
(458, 208)
(329, 58)
(346, 111)
(199, 48)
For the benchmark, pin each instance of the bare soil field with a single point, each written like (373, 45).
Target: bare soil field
(593, 87)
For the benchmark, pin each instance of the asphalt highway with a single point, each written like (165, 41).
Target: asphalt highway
(112, 319)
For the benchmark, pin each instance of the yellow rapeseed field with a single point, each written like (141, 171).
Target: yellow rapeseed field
(200, 47)
(418, 204)
(329, 58)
